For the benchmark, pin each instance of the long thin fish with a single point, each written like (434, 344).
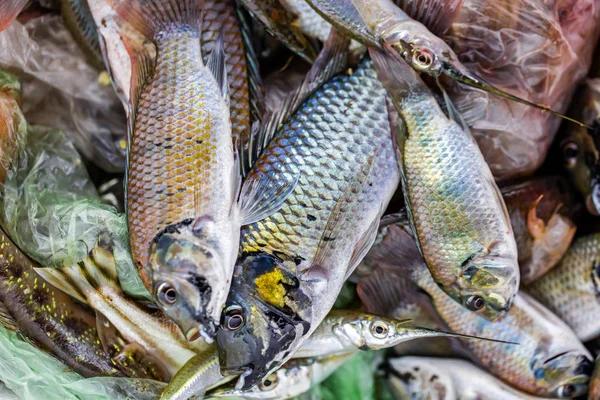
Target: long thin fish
(457, 212)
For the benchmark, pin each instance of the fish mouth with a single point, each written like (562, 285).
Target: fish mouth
(592, 200)
(206, 331)
(458, 73)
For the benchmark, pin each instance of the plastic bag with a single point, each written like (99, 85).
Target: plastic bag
(63, 90)
(52, 211)
(30, 373)
(538, 50)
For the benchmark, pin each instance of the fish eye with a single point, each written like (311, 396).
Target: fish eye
(570, 152)
(234, 318)
(379, 329)
(269, 384)
(567, 391)
(423, 59)
(166, 294)
(474, 303)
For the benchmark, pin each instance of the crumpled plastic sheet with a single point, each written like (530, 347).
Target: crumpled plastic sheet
(63, 90)
(30, 373)
(536, 49)
(52, 211)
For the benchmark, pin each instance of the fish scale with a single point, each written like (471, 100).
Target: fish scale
(174, 147)
(319, 150)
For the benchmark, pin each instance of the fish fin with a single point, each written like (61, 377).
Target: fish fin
(100, 265)
(384, 291)
(109, 336)
(255, 85)
(436, 15)
(264, 196)
(331, 60)
(396, 75)
(135, 361)
(281, 24)
(6, 319)
(535, 225)
(57, 278)
(9, 10)
(216, 64)
(352, 23)
(472, 108)
(364, 244)
(150, 17)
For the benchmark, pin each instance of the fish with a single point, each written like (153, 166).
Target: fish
(9, 10)
(579, 147)
(570, 290)
(199, 373)
(549, 359)
(13, 126)
(541, 218)
(148, 336)
(344, 330)
(292, 379)
(78, 19)
(456, 210)
(185, 199)
(50, 319)
(381, 24)
(429, 378)
(280, 22)
(293, 263)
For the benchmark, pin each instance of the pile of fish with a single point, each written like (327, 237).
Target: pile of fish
(313, 199)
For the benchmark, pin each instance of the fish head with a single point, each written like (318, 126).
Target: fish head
(581, 161)
(260, 325)
(370, 332)
(564, 376)
(488, 283)
(188, 283)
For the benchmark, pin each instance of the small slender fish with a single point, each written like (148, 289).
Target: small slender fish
(549, 360)
(151, 338)
(48, 317)
(377, 23)
(424, 378)
(539, 214)
(79, 21)
(294, 263)
(292, 379)
(454, 206)
(580, 146)
(184, 202)
(571, 289)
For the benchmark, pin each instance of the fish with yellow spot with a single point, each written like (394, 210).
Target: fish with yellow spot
(184, 204)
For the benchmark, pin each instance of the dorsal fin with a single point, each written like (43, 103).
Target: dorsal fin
(436, 15)
(216, 65)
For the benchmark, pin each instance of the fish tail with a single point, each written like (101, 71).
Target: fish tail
(151, 17)
(9, 9)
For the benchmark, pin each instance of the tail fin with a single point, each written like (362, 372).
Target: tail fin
(151, 17)
(9, 9)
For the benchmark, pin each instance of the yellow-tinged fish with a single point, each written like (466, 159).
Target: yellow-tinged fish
(454, 206)
(183, 180)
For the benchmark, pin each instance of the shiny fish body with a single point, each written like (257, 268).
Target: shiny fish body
(424, 378)
(571, 289)
(79, 21)
(549, 357)
(339, 143)
(48, 317)
(455, 207)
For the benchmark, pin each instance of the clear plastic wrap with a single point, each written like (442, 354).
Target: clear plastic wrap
(538, 50)
(64, 91)
(30, 373)
(52, 211)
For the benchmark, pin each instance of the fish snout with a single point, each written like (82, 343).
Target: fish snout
(592, 201)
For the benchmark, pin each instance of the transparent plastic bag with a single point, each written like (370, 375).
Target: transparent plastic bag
(63, 90)
(52, 211)
(30, 373)
(539, 50)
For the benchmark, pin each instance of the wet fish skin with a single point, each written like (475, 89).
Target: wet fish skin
(183, 215)
(540, 214)
(50, 318)
(570, 290)
(579, 148)
(460, 219)
(425, 378)
(549, 356)
(292, 379)
(336, 135)
(78, 19)
(595, 382)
